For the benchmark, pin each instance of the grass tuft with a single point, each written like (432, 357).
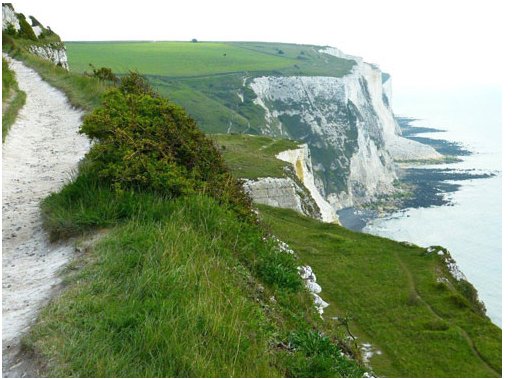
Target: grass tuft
(13, 98)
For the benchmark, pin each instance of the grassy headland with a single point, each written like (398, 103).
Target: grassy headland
(252, 157)
(189, 59)
(425, 326)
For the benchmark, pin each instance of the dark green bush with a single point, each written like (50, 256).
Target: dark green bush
(104, 74)
(10, 30)
(26, 30)
(35, 21)
(147, 143)
(135, 84)
(48, 34)
(458, 301)
(471, 294)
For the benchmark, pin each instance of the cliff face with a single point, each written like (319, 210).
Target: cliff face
(347, 123)
(300, 159)
(9, 17)
(54, 52)
(297, 191)
(279, 192)
(44, 42)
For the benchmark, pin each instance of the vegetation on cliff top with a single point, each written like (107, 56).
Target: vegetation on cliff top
(187, 59)
(252, 157)
(186, 283)
(12, 98)
(209, 79)
(399, 298)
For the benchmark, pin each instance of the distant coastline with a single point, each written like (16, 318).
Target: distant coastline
(430, 183)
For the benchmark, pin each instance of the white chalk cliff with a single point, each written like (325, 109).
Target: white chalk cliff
(296, 191)
(9, 18)
(54, 51)
(276, 192)
(347, 123)
(300, 159)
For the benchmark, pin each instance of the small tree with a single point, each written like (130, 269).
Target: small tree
(194, 40)
(10, 30)
(104, 74)
(26, 30)
(35, 21)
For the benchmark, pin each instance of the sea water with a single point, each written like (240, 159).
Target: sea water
(470, 228)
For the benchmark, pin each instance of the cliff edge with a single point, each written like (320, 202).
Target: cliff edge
(348, 124)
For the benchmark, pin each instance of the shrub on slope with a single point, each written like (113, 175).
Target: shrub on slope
(185, 283)
(146, 143)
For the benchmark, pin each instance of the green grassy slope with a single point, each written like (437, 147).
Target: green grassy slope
(390, 290)
(167, 294)
(253, 157)
(12, 98)
(185, 59)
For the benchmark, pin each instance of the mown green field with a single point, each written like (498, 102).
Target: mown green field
(185, 59)
(173, 59)
(390, 291)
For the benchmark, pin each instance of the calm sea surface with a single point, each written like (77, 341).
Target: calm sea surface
(471, 228)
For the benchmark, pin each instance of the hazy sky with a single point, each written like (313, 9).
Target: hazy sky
(422, 44)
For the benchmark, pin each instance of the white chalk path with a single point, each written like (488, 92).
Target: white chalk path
(40, 153)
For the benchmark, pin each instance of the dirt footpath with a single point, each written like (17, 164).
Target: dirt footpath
(40, 153)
